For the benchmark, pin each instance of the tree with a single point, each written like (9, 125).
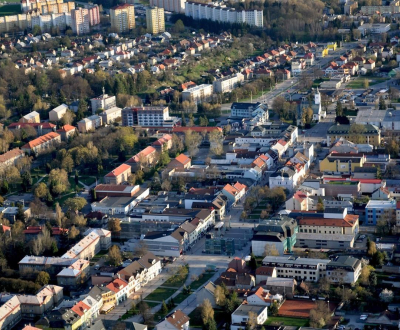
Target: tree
(253, 262)
(164, 308)
(42, 278)
(320, 315)
(220, 295)
(75, 203)
(371, 247)
(366, 83)
(145, 312)
(114, 255)
(382, 103)
(73, 232)
(179, 27)
(58, 181)
(243, 215)
(20, 213)
(377, 259)
(166, 185)
(210, 325)
(306, 115)
(386, 295)
(273, 309)
(365, 274)
(324, 284)
(252, 321)
(140, 249)
(36, 30)
(207, 311)
(339, 109)
(270, 250)
(177, 145)
(26, 181)
(320, 205)
(356, 132)
(216, 138)
(192, 142)
(68, 118)
(114, 225)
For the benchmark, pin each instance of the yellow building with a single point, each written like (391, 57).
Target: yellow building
(122, 18)
(370, 135)
(325, 52)
(341, 163)
(332, 45)
(155, 20)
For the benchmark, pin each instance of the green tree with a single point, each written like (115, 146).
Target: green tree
(42, 278)
(366, 83)
(164, 308)
(179, 27)
(36, 30)
(114, 255)
(339, 109)
(26, 181)
(75, 203)
(82, 108)
(382, 103)
(273, 309)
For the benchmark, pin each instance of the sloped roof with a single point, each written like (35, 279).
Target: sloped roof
(119, 170)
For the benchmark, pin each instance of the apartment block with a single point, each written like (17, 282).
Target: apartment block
(32, 117)
(42, 143)
(224, 14)
(10, 313)
(104, 102)
(155, 20)
(227, 84)
(10, 158)
(118, 175)
(110, 115)
(89, 124)
(94, 14)
(175, 6)
(122, 18)
(57, 113)
(145, 116)
(198, 94)
(80, 21)
(47, 6)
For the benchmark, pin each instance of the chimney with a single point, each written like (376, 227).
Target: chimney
(173, 315)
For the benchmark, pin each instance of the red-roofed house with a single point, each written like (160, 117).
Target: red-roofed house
(31, 232)
(118, 175)
(144, 158)
(263, 272)
(262, 297)
(177, 320)
(80, 308)
(41, 128)
(120, 288)
(66, 132)
(180, 162)
(42, 143)
(299, 201)
(195, 129)
(234, 193)
(10, 158)
(163, 143)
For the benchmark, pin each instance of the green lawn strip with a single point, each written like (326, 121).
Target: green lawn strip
(160, 294)
(10, 10)
(201, 280)
(180, 297)
(151, 304)
(87, 180)
(288, 321)
(176, 281)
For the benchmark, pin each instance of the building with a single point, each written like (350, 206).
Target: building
(89, 124)
(376, 210)
(155, 20)
(122, 18)
(177, 320)
(118, 175)
(42, 143)
(376, 28)
(115, 190)
(344, 269)
(165, 244)
(241, 315)
(57, 113)
(342, 163)
(10, 313)
(370, 135)
(10, 158)
(198, 94)
(110, 115)
(224, 14)
(32, 117)
(66, 132)
(306, 269)
(175, 6)
(234, 192)
(332, 229)
(275, 237)
(180, 162)
(227, 84)
(144, 158)
(264, 272)
(151, 116)
(104, 102)
(163, 143)
(244, 110)
(80, 21)
(41, 128)
(207, 292)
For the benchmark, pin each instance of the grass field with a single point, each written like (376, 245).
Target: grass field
(359, 83)
(10, 10)
(201, 280)
(288, 321)
(180, 297)
(160, 294)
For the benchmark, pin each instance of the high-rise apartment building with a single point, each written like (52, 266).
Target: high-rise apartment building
(80, 21)
(153, 116)
(155, 20)
(175, 6)
(122, 18)
(104, 102)
(94, 14)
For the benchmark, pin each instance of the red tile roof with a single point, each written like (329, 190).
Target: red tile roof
(178, 319)
(144, 153)
(34, 125)
(183, 159)
(195, 129)
(264, 270)
(66, 128)
(348, 221)
(117, 285)
(10, 155)
(40, 140)
(119, 170)
(80, 308)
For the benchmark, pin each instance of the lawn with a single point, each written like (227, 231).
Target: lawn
(177, 280)
(358, 84)
(10, 10)
(288, 321)
(180, 297)
(160, 294)
(201, 280)
(87, 180)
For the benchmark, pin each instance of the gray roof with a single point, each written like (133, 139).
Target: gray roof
(244, 310)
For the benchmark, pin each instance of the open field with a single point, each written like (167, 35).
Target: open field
(10, 10)
(288, 321)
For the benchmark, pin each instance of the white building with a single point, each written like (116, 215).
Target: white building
(227, 84)
(241, 315)
(152, 116)
(374, 28)
(198, 94)
(104, 102)
(175, 6)
(89, 124)
(224, 14)
(57, 113)
(110, 115)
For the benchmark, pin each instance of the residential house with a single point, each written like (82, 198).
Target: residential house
(163, 143)
(41, 128)
(234, 193)
(264, 272)
(66, 132)
(118, 175)
(180, 162)
(32, 117)
(111, 115)
(10, 313)
(42, 143)
(262, 297)
(207, 292)
(89, 124)
(10, 158)
(121, 290)
(144, 158)
(240, 317)
(176, 320)
(57, 113)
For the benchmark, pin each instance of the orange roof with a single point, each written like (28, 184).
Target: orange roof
(80, 308)
(40, 140)
(183, 159)
(259, 162)
(265, 270)
(348, 221)
(119, 170)
(239, 186)
(66, 128)
(144, 153)
(10, 155)
(164, 139)
(117, 285)
(300, 196)
(195, 129)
